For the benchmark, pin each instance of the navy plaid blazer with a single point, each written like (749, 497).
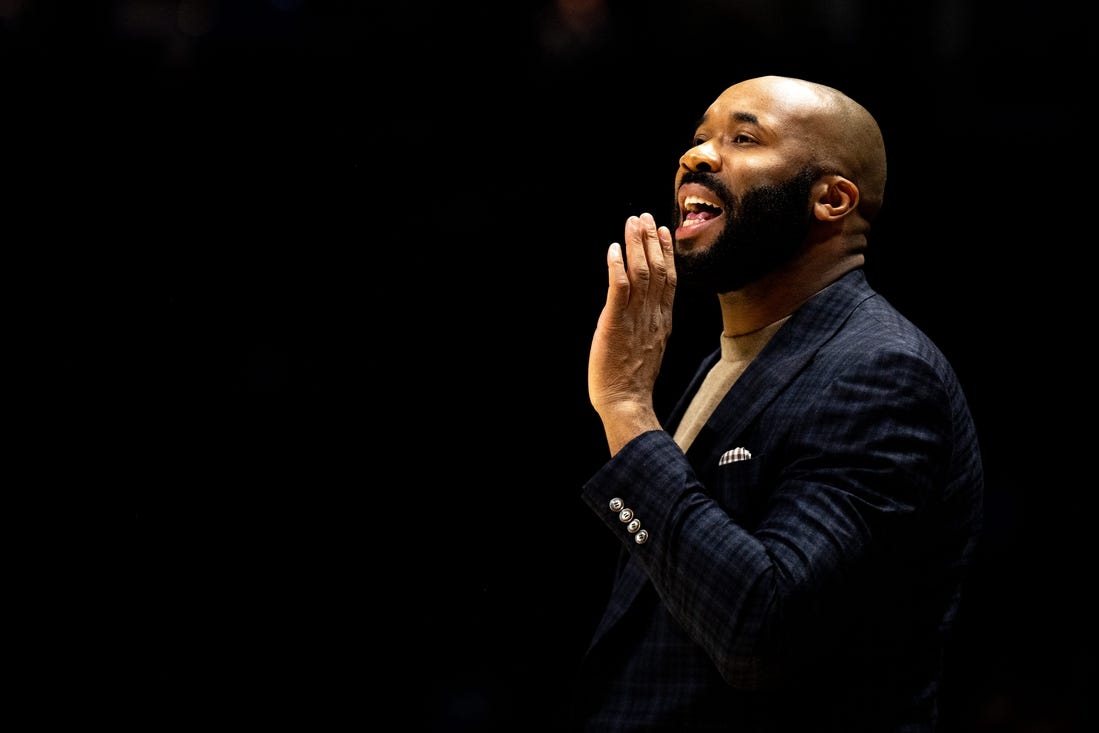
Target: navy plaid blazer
(800, 568)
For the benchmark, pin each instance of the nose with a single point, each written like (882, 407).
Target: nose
(701, 157)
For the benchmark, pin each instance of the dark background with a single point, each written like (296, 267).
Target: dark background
(331, 271)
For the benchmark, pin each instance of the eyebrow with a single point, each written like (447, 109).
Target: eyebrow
(737, 117)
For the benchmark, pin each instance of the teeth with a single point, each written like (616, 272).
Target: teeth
(691, 203)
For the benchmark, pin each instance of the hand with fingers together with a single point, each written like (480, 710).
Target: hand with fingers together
(633, 329)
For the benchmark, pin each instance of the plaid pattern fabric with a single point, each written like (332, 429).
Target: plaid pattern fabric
(736, 454)
(809, 588)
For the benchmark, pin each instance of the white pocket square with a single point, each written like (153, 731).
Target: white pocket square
(736, 454)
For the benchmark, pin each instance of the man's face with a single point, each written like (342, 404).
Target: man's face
(765, 227)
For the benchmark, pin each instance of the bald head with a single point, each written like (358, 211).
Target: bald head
(838, 134)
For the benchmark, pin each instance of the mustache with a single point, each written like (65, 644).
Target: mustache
(710, 181)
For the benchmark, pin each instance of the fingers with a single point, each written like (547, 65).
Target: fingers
(636, 256)
(667, 248)
(618, 285)
(654, 253)
(642, 273)
(650, 259)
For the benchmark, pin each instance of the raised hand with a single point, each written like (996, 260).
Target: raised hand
(633, 329)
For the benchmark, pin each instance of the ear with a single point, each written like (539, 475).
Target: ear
(837, 197)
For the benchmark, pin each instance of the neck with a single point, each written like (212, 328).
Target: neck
(779, 293)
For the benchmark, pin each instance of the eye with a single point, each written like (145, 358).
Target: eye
(698, 140)
(743, 139)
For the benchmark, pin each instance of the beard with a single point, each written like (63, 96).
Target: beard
(765, 228)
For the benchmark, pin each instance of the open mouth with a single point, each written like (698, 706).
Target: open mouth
(697, 210)
(698, 206)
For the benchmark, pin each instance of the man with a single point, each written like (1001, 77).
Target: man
(796, 534)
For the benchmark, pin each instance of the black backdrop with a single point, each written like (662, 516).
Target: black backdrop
(338, 267)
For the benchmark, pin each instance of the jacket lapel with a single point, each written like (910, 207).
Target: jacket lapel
(784, 356)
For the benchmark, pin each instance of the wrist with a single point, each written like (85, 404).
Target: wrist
(622, 422)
